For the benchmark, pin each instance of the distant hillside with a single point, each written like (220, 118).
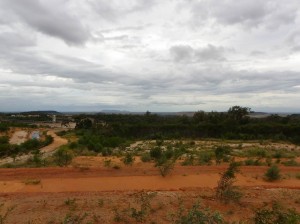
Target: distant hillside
(187, 113)
(115, 112)
(42, 112)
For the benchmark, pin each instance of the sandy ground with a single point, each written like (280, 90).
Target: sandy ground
(57, 142)
(19, 137)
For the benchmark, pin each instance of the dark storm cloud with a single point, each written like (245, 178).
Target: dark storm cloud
(185, 53)
(50, 18)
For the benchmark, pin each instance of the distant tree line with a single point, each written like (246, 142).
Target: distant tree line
(233, 124)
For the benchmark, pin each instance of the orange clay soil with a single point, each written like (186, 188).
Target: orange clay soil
(99, 194)
(137, 177)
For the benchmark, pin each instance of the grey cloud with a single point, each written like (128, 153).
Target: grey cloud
(136, 61)
(244, 81)
(104, 9)
(293, 38)
(142, 5)
(32, 63)
(114, 10)
(296, 48)
(126, 28)
(15, 40)
(182, 53)
(257, 53)
(185, 53)
(121, 37)
(210, 52)
(50, 18)
(269, 13)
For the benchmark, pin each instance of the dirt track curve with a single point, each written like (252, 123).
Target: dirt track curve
(46, 151)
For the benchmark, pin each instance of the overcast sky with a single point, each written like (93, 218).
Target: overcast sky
(156, 55)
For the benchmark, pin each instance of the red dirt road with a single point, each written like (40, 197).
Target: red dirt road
(133, 178)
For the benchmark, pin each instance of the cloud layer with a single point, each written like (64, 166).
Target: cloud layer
(174, 55)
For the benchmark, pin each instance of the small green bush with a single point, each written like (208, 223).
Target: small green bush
(189, 161)
(221, 152)
(257, 152)
(145, 157)
(273, 173)
(63, 156)
(291, 162)
(32, 181)
(252, 162)
(128, 159)
(205, 158)
(226, 191)
(198, 215)
(276, 214)
(156, 152)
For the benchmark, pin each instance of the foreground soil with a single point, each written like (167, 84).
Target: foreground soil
(116, 207)
(105, 195)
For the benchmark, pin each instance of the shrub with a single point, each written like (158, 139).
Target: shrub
(144, 201)
(156, 152)
(189, 161)
(291, 162)
(3, 217)
(107, 162)
(226, 191)
(139, 213)
(63, 157)
(146, 157)
(221, 152)
(197, 215)
(32, 182)
(116, 167)
(276, 214)
(252, 162)
(128, 159)
(257, 152)
(4, 140)
(100, 202)
(166, 168)
(74, 218)
(273, 173)
(36, 159)
(3, 127)
(205, 158)
(73, 145)
(159, 142)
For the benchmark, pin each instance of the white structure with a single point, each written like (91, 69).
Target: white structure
(54, 118)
